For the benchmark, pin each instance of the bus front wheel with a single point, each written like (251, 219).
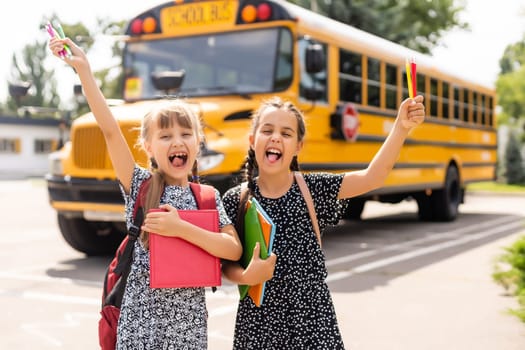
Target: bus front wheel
(446, 201)
(91, 238)
(443, 204)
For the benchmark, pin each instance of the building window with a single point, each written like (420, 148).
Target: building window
(43, 146)
(9, 145)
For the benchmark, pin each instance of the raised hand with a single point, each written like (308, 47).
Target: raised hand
(412, 112)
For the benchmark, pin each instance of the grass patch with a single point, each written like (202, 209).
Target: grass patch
(509, 272)
(492, 186)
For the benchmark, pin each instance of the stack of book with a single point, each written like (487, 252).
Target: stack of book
(258, 227)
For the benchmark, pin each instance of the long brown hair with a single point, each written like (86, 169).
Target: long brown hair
(166, 116)
(250, 164)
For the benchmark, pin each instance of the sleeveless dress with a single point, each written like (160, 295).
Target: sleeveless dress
(161, 318)
(297, 311)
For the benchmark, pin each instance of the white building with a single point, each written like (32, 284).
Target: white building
(25, 144)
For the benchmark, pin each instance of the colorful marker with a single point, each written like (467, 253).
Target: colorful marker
(62, 36)
(413, 71)
(52, 34)
(409, 79)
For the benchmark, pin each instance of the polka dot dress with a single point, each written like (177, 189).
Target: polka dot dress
(297, 312)
(161, 318)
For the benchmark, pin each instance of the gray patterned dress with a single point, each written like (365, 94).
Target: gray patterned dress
(297, 311)
(161, 318)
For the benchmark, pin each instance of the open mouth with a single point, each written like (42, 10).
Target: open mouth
(178, 159)
(273, 155)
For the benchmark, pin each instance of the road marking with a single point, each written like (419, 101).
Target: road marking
(228, 291)
(431, 236)
(41, 329)
(63, 299)
(335, 276)
(16, 275)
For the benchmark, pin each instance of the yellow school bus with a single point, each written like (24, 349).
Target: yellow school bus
(224, 57)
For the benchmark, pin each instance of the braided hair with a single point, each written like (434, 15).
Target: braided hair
(250, 164)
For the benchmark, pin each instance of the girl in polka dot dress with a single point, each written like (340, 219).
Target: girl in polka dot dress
(297, 311)
(158, 318)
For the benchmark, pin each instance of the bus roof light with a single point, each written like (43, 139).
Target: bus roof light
(149, 25)
(264, 12)
(249, 14)
(136, 26)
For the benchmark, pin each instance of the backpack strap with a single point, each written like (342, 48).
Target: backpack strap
(307, 198)
(124, 260)
(309, 203)
(204, 195)
(121, 263)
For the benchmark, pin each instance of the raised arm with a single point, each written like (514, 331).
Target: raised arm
(119, 152)
(411, 113)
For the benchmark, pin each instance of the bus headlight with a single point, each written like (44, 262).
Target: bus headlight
(55, 164)
(209, 159)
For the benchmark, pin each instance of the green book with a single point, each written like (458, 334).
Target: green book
(252, 234)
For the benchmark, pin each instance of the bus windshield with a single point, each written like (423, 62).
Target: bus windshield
(255, 61)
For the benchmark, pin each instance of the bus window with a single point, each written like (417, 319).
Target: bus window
(373, 82)
(421, 88)
(312, 83)
(466, 103)
(445, 100)
(483, 109)
(490, 111)
(475, 108)
(391, 86)
(254, 61)
(350, 79)
(457, 103)
(284, 66)
(433, 98)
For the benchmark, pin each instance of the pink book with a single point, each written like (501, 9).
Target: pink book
(176, 263)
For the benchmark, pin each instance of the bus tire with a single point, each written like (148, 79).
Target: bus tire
(354, 209)
(91, 238)
(424, 205)
(445, 202)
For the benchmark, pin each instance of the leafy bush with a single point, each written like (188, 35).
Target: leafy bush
(510, 273)
(514, 171)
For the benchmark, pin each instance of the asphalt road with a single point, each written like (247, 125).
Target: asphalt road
(397, 283)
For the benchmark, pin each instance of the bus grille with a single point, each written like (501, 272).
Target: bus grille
(89, 147)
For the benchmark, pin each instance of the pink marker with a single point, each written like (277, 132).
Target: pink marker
(52, 33)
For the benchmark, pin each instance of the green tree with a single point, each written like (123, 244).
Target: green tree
(417, 24)
(510, 85)
(111, 77)
(510, 88)
(513, 57)
(28, 67)
(514, 172)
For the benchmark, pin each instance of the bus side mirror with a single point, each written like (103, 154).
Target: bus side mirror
(313, 93)
(314, 58)
(168, 80)
(77, 90)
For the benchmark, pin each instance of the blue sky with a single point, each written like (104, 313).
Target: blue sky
(475, 53)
